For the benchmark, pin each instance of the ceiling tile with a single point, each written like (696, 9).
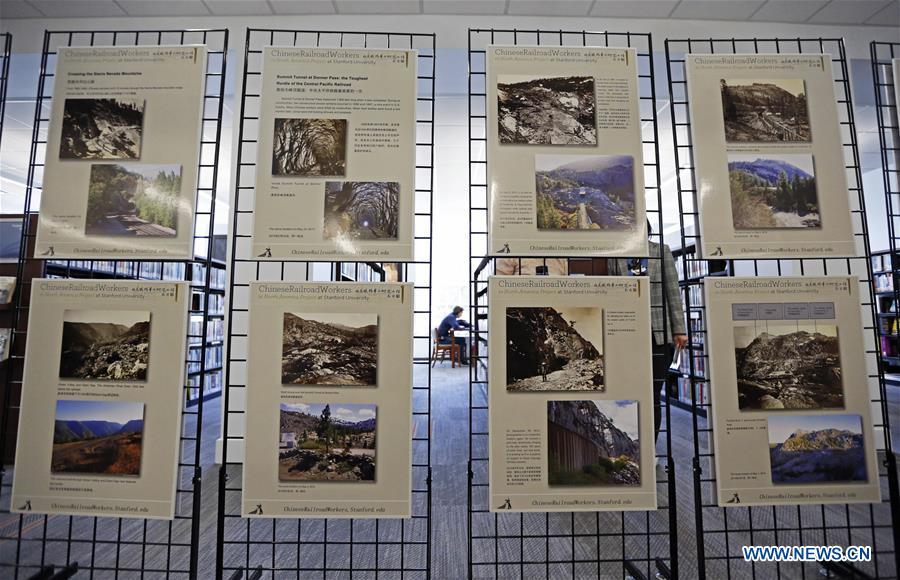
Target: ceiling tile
(545, 8)
(632, 9)
(78, 8)
(717, 9)
(848, 11)
(377, 6)
(493, 7)
(144, 8)
(239, 7)
(788, 10)
(889, 15)
(302, 6)
(17, 9)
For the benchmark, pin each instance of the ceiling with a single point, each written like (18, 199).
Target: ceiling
(847, 12)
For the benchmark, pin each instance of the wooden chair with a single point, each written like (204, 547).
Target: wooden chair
(443, 349)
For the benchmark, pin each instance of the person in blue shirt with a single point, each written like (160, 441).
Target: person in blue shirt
(453, 322)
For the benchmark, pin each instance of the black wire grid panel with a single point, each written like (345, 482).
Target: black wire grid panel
(116, 547)
(5, 52)
(326, 548)
(721, 532)
(556, 545)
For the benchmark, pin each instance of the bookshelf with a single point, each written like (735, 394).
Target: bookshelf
(884, 275)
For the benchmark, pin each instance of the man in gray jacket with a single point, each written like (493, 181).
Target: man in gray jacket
(663, 286)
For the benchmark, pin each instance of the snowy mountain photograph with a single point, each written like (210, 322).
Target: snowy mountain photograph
(774, 192)
(806, 449)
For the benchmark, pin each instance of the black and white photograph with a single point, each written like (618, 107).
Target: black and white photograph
(133, 199)
(805, 449)
(339, 349)
(102, 129)
(362, 210)
(773, 192)
(98, 437)
(546, 110)
(784, 365)
(327, 442)
(584, 192)
(765, 110)
(309, 148)
(108, 345)
(554, 349)
(592, 443)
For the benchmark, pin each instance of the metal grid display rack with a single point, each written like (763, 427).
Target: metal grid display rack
(5, 53)
(552, 545)
(721, 532)
(35, 545)
(326, 548)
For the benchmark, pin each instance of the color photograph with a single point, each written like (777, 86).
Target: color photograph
(816, 449)
(765, 110)
(102, 129)
(545, 110)
(593, 443)
(362, 210)
(584, 192)
(788, 365)
(108, 345)
(327, 442)
(554, 349)
(338, 349)
(309, 148)
(774, 192)
(98, 437)
(133, 199)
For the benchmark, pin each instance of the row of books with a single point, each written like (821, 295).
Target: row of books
(884, 282)
(683, 391)
(882, 263)
(213, 358)
(215, 330)
(211, 385)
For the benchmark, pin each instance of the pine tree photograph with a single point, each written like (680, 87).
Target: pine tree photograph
(133, 199)
(774, 192)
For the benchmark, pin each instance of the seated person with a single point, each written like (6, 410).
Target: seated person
(453, 322)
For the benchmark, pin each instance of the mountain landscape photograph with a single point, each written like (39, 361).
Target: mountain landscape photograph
(102, 129)
(362, 210)
(107, 345)
(584, 192)
(816, 449)
(133, 199)
(554, 349)
(788, 365)
(765, 110)
(541, 110)
(98, 437)
(327, 442)
(339, 349)
(776, 192)
(593, 443)
(309, 147)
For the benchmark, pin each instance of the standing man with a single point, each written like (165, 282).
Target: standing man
(663, 267)
(453, 322)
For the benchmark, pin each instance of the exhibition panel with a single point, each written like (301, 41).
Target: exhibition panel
(118, 328)
(798, 391)
(322, 427)
(561, 333)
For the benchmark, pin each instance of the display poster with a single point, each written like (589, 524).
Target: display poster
(564, 152)
(570, 394)
(122, 155)
(329, 400)
(768, 155)
(336, 154)
(790, 403)
(100, 418)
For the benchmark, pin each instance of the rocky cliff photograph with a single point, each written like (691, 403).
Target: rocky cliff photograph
(816, 449)
(133, 199)
(102, 129)
(98, 437)
(784, 365)
(593, 443)
(309, 147)
(554, 349)
(765, 110)
(105, 345)
(773, 192)
(327, 442)
(362, 210)
(545, 110)
(584, 192)
(339, 349)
